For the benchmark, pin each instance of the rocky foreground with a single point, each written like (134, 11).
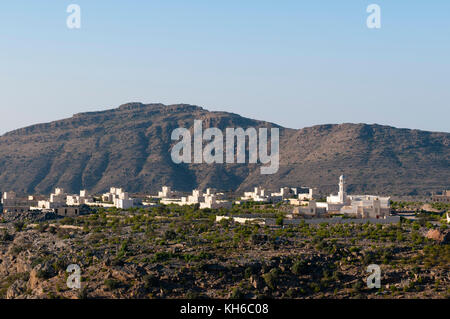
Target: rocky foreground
(183, 253)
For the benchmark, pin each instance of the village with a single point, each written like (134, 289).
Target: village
(299, 204)
(260, 243)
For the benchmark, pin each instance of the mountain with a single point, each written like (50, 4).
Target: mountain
(130, 147)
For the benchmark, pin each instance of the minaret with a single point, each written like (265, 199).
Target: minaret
(341, 193)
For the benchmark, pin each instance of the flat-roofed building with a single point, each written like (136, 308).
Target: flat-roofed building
(11, 203)
(77, 200)
(442, 197)
(119, 198)
(361, 206)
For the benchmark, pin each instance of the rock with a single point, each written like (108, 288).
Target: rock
(34, 280)
(32, 216)
(438, 236)
(123, 275)
(16, 289)
(213, 267)
(40, 272)
(138, 291)
(256, 282)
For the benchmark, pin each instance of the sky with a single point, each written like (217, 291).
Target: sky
(294, 63)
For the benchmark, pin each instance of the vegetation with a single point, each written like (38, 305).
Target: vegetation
(180, 252)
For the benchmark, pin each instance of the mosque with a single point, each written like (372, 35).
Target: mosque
(358, 206)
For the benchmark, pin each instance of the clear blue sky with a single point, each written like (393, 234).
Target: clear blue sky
(295, 63)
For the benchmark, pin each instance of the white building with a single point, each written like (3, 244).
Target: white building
(361, 206)
(119, 198)
(367, 206)
(243, 220)
(305, 194)
(13, 203)
(77, 200)
(285, 193)
(260, 195)
(57, 199)
(309, 209)
(205, 200)
(8, 196)
(167, 192)
(59, 196)
(341, 197)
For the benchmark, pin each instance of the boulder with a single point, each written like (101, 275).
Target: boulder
(256, 282)
(16, 289)
(438, 236)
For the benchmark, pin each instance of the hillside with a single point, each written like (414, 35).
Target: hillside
(130, 147)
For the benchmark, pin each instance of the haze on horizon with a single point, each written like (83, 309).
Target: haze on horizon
(294, 64)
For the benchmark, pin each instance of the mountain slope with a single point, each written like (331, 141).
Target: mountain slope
(130, 147)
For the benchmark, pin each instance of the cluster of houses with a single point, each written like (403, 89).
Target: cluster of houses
(260, 195)
(11, 203)
(359, 206)
(303, 201)
(303, 198)
(65, 204)
(209, 199)
(442, 197)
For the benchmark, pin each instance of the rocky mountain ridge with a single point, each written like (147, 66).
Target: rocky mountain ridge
(130, 146)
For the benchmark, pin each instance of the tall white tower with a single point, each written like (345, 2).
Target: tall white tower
(341, 194)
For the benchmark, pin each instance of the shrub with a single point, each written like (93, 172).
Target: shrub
(170, 235)
(43, 274)
(82, 294)
(357, 286)
(271, 278)
(279, 221)
(19, 226)
(193, 295)
(5, 236)
(112, 284)
(150, 281)
(15, 250)
(299, 267)
(42, 227)
(248, 272)
(236, 293)
(161, 256)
